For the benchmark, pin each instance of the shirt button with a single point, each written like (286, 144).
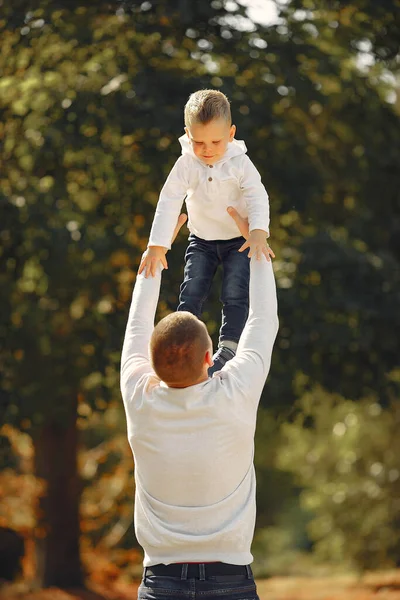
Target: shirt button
(210, 179)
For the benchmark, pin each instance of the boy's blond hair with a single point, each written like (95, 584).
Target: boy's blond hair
(205, 105)
(178, 346)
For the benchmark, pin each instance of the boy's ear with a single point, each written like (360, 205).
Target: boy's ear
(187, 132)
(232, 132)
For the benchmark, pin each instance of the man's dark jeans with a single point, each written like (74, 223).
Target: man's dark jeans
(201, 261)
(195, 584)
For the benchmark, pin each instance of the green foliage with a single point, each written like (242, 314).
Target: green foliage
(331, 153)
(78, 130)
(340, 327)
(345, 455)
(88, 144)
(357, 26)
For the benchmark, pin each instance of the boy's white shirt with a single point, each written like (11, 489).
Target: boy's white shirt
(209, 190)
(193, 447)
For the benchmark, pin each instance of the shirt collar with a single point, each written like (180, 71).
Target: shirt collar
(235, 148)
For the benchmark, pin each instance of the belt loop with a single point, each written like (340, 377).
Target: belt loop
(184, 571)
(248, 571)
(202, 572)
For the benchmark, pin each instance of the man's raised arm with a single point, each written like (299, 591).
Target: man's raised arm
(135, 360)
(135, 352)
(251, 364)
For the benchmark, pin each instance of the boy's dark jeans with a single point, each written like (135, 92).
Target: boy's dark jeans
(192, 585)
(201, 261)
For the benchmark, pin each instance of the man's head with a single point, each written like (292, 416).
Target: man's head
(181, 350)
(208, 124)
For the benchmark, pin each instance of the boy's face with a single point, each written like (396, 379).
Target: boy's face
(210, 140)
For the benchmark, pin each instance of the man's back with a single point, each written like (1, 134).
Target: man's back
(195, 444)
(195, 484)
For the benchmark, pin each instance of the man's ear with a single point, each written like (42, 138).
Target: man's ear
(208, 358)
(232, 132)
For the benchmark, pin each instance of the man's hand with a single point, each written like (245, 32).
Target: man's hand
(256, 239)
(156, 254)
(181, 221)
(242, 224)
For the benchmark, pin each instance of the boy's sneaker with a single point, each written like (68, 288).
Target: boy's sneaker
(222, 355)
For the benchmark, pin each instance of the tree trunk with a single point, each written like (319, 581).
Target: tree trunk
(58, 557)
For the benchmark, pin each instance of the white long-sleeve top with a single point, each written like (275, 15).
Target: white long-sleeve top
(193, 447)
(208, 191)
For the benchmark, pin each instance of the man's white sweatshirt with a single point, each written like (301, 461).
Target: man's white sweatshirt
(193, 447)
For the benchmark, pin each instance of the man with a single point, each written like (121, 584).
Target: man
(192, 439)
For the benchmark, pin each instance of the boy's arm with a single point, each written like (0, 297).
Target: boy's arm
(169, 204)
(255, 195)
(257, 204)
(251, 364)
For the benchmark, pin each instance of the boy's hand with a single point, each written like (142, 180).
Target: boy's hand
(258, 244)
(155, 254)
(150, 259)
(256, 239)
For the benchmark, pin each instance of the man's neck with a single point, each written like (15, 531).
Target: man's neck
(201, 379)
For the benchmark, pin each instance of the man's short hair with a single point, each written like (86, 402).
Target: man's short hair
(205, 105)
(178, 346)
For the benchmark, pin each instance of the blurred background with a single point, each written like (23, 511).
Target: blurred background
(91, 105)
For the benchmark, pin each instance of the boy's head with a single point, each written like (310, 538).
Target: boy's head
(181, 350)
(208, 124)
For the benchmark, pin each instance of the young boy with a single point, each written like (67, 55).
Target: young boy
(213, 173)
